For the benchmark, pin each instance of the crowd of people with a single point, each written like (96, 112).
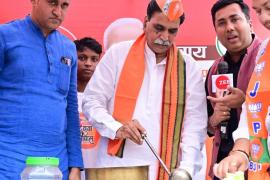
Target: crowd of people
(91, 109)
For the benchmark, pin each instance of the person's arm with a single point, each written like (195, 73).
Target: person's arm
(242, 129)
(210, 110)
(223, 105)
(195, 120)
(237, 160)
(73, 127)
(74, 174)
(98, 94)
(217, 114)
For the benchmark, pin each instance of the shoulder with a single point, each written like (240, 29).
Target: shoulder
(189, 60)
(12, 23)
(254, 47)
(119, 50)
(124, 45)
(10, 27)
(191, 64)
(115, 56)
(65, 40)
(187, 57)
(264, 43)
(262, 48)
(11, 31)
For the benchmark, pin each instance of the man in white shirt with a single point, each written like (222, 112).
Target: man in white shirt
(148, 87)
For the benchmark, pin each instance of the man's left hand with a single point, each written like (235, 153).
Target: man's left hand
(74, 174)
(231, 164)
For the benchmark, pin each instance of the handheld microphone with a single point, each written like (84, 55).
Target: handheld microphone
(219, 84)
(222, 79)
(223, 68)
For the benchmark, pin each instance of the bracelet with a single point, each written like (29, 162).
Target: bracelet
(241, 152)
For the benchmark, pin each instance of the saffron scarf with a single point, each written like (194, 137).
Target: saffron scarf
(173, 101)
(258, 111)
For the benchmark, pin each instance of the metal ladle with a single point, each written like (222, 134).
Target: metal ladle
(178, 174)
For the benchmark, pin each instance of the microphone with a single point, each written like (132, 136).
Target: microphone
(219, 84)
(222, 79)
(223, 68)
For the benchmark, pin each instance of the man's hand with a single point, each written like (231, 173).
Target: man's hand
(132, 130)
(234, 98)
(74, 174)
(231, 164)
(221, 113)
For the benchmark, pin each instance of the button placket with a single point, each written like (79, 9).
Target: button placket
(152, 84)
(50, 62)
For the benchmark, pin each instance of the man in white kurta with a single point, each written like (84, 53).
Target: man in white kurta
(99, 98)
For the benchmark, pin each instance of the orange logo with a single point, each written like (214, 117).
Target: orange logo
(89, 135)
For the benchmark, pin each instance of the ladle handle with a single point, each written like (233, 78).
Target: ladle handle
(155, 153)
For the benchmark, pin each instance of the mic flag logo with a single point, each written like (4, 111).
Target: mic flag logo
(221, 82)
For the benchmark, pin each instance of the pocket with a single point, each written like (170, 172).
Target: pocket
(63, 78)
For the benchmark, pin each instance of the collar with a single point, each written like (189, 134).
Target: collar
(152, 56)
(34, 26)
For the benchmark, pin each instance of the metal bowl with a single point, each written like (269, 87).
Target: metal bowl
(180, 174)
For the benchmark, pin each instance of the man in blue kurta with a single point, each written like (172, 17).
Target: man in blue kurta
(38, 92)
